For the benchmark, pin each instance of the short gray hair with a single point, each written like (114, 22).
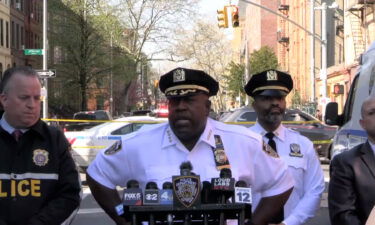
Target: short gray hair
(23, 70)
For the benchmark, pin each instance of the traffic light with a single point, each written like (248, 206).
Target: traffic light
(222, 17)
(235, 18)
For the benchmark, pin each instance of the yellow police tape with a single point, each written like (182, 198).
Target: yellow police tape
(139, 121)
(99, 121)
(115, 121)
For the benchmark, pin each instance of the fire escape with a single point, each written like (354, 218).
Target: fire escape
(282, 36)
(357, 9)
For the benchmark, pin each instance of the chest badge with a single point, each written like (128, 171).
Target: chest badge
(295, 150)
(40, 157)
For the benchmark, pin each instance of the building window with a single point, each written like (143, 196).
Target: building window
(1, 32)
(31, 39)
(36, 41)
(7, 34)
(22, 39)
(17, 36)
(12, 31)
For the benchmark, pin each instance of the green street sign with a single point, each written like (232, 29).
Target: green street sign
(33, 51)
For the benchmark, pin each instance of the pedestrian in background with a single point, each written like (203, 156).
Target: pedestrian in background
(155, 154)
(39, 182)
(351, 193)
(269, 90)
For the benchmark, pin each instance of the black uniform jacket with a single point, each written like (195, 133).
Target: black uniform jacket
(351, 195)
(39, 183)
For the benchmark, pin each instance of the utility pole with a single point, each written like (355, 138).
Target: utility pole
(312, 50)
(45, 46)
(323, 72)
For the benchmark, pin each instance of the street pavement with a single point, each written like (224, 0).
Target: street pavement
(91, 214)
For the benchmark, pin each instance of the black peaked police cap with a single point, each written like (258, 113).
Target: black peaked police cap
(182, 82)
(269, 83)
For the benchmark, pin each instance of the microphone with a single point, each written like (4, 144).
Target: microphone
(132, 194)
(242, 194)
(186, 187)
(151, 197)
(206, 193)
(166, 194)
(223, 186)
(166, 198)
(151, 194)
(186, 168)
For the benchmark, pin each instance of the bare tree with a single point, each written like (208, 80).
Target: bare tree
(207, 48)
(150, 27)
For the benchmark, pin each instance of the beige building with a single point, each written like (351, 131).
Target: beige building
(5, 55)
(293, 44)
(358, 30)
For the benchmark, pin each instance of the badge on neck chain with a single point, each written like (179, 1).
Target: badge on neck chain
(221, 159)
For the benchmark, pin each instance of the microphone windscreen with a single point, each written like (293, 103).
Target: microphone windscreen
(167, 185)
(186, 165)
(132, 184)
(185, 168)
(241, 183)
(225, 173)
(151, 185)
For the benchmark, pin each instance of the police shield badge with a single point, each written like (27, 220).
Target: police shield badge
(40, 157)
(295, 150)
(186, 190)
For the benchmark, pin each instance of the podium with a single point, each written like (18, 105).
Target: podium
(205, 214)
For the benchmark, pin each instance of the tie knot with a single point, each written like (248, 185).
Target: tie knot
(270, 135)
(17, 134)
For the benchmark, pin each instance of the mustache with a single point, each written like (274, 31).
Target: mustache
(275, 107)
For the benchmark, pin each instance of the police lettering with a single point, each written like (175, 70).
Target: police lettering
(20, 188)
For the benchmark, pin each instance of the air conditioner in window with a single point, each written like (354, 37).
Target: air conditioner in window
(18, 5)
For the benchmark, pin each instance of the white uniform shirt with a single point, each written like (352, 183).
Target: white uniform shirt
(306, 170)
(155, 154)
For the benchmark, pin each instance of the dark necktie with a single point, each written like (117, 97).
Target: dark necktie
(271, 142)
(17, 134)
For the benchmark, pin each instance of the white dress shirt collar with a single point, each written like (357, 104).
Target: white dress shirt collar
(207, 136)
(279, 132)
(372, 146)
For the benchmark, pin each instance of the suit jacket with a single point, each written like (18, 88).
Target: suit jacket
(351, 194)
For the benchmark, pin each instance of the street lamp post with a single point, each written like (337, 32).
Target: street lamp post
(45, 80)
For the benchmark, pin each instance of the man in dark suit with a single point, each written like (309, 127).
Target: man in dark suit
(351, 194)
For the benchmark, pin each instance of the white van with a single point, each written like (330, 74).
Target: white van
(351, 133)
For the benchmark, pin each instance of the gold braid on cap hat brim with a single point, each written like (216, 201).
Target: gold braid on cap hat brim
(187, 86)
(281, 88)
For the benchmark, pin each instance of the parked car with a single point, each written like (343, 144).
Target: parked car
(320, 134)
(87, 115)
(86, 144)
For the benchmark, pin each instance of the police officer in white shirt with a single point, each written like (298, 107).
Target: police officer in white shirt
(269, 89)
(155, 154)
